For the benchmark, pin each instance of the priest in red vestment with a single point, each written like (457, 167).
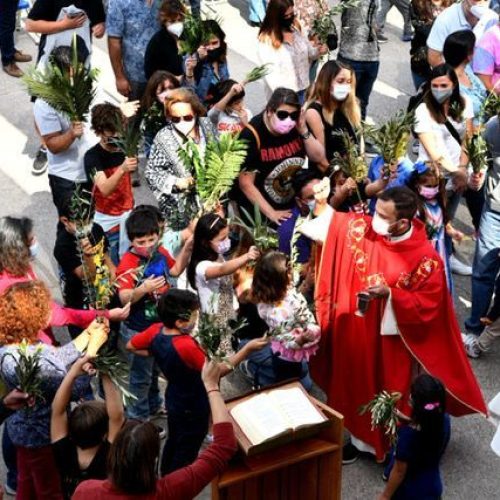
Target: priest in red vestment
(409, 326)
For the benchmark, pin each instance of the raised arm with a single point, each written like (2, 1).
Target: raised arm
(114, 407)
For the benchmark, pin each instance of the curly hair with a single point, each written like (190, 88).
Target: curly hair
(105, 118)
(271, 278)
(24, 309)
(14, 245)
(171, 11)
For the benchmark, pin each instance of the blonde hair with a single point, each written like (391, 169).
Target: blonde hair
(322, 92)
(185, 96)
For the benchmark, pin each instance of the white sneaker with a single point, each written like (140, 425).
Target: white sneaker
(458, 267)
(471, 345)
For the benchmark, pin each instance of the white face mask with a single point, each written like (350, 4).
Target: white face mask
(223, 246)
(176, 28)
(34, 248)
(479, 10)
(341, 91)
(185, 127)
(311, 204)
(379, 225)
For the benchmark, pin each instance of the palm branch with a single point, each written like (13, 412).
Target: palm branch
(264, 236)
(216, 171)
(324, 25)
(490, 107)
(391, 138)
(194, 34)
(68, 92)
(383, 412)
(477, 151)
(128, 136)
(257, 73)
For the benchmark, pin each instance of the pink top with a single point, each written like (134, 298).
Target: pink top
(486, 59)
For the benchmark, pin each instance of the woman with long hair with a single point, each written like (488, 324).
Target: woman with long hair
(171, 181)
(283, 45)
(333, 109)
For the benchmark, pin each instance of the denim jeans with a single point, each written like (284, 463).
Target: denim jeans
(113, 238)
(62, 189)
(257, 10)
(418, 80)
(143, 379)
(260, 365)
(485, 268)
(8, 10)
(366, 74)
(10, 459)
(404, 8)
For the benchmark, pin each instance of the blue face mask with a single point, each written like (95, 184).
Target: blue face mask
(311, 204)
(441, 94)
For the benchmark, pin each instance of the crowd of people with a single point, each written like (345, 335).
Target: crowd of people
(350, 285)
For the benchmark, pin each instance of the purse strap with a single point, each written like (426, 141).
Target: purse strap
(453, 131)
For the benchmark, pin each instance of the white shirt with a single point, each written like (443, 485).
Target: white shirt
(445, 143)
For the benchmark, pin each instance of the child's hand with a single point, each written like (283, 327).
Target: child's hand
(202, 52)
(189, 244)
(87, 247)
(210, 374)
(253, 253)
(454, 234)
(237, 88)
(82, 366)
(151, 284)
(191, 63)
(349, 186)
(130, 164)
(257, 344)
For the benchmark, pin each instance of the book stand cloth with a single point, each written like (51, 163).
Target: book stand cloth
(305, 468)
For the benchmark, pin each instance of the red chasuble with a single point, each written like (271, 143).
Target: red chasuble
(355, 361)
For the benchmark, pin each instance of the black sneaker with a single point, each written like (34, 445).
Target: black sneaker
(349, 454)
(40, 162)
(382, 38)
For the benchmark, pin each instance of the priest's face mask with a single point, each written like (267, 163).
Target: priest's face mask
(385, 220)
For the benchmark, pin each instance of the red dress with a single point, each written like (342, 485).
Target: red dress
(354, 360)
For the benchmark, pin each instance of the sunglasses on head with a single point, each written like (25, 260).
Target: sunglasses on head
(178, 119)
(283, 115)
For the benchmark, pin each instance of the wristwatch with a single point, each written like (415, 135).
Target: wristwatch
(306, 135)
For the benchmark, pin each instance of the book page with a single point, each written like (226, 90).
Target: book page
(297, 407)
(259, 419)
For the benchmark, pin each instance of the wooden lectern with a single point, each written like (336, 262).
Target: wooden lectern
(309, 468)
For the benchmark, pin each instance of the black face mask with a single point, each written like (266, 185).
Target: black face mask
(215, 54)
(286, 22)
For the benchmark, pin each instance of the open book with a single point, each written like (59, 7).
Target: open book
(267, 415)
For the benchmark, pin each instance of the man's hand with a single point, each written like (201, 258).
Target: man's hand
(278, 216)
(15, 399)
(476, 181)
(349, 186)
(151, 284)
(71, 23)
(130, 108)
(98, 30)
(76, 129)
(379, 291)
(460, 180)
(119, 313)
(130, 164)
(123, 86)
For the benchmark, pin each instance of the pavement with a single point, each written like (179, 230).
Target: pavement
(470, 469)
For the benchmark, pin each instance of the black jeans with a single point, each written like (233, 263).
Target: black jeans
(366, 74)
(186, 432)
(62, 189)
(8, 9)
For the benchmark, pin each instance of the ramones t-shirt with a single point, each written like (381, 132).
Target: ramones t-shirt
(275, 162)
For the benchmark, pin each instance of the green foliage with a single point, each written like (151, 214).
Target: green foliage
(194, 34)
(324, 25)
(490, 107)
(264, 236)
(27, 369)
(383, 412)
(81, 211)
(68, 92)
(216, 171)
(257, 73)
(352, 162)
(391, 138)
(477, 151)
(154, 119)
(128, 132)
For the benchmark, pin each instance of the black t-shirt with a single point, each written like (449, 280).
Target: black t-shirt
(275, 163)
(162, 53)
(66, 456)
(334, 142)
(98, 159)
(68, 257)
(48, 10)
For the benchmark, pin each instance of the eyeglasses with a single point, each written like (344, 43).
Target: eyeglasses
(283, 115)
(178, 119)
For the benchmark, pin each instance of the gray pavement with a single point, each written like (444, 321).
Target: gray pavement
(470, 469)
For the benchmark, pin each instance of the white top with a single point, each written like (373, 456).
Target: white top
(453, 19)
(445, 143)
(66, 164)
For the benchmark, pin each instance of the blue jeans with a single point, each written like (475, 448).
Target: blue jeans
(418, 80)
(260, 366)
(366, 74)
(113, 238)
(8, 9)
(143, 379)
(485, 268)
(10, 459)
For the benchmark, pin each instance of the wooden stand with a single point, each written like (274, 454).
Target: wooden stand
(306, 469)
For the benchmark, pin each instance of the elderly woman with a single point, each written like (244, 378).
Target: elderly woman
(25, 309)
(172, 181)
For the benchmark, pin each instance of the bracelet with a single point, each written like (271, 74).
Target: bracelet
(306, 135)
(212, 390)
(189, 76)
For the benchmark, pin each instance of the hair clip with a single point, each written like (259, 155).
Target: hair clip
(217, 219)
(421, 167)
(431, 406)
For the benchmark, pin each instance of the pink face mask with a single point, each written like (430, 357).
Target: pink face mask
(429, 193)
(282, 126)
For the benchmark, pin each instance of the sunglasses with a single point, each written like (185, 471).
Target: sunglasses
(111, 139)
(178, 119)
(283, 115)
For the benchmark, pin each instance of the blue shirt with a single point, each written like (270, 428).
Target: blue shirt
(404, 171)
(207, 77)
(135, 22)
(477, 93)
(285, 235)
